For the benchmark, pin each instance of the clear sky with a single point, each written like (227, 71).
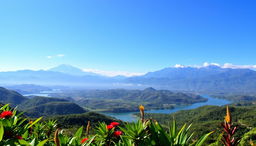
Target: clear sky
(126, 35)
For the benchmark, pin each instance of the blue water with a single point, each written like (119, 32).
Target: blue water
(43, 93)
(129, 116)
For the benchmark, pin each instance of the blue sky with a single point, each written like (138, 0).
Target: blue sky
(126, 35)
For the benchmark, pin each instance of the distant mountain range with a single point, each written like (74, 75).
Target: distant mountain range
(204, 79)
(211, 78)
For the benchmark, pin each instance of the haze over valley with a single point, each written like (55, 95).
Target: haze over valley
(209, 78)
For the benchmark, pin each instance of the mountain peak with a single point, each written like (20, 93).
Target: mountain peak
(212, 66)
(69, 69)
(150, 89)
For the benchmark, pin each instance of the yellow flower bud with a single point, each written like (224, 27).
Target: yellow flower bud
(228, 116)
(141, 107)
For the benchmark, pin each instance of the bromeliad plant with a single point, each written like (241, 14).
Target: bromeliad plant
(174, 137)
(15, 130)
(228, 138)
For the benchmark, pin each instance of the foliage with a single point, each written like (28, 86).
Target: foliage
(9, 96)
(208, 118)
(17, 130)
(249, 136)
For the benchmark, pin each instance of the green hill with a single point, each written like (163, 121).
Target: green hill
(121, 100)
(54, 108)
(208, 118)
(36, 101)
(77, 120)
(11, 97)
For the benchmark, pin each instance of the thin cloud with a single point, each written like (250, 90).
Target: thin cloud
(225, 65)
(229, 65)
(55, 56)
(49, 57)
(60, 55)
(113, 73)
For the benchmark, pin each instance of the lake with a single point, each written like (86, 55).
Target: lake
(44, 93)
(130, 117)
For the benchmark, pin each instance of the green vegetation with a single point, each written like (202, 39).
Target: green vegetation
(9, 96)
(208, 118)
(46, 106)
(238, 98)
(54, 108)
(121, 100)
(76, 120)
(36, 101)
(15, 130)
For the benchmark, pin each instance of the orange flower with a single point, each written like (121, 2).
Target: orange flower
(228, 116)
(84, 140)
(141, 107)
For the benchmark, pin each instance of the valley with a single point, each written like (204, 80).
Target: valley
(190, 95)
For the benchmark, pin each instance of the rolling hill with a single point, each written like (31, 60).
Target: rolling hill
(47, 106)
(11, 97)
(54, 108)
(209, 118)
(122, 100)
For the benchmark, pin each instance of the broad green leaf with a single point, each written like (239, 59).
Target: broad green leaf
(89, 142)
(1, 131)
(23, 142)
(25, 135)
(32, 143)
(72, 140)
(15, 120)
(79, 132)
(201, 141)
(3, 107)
(37, 120)
(42, 142)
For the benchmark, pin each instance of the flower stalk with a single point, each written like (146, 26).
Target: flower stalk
(88, 128)
(142, 114)
(228, 138)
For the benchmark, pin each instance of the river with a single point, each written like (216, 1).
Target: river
(130, 117)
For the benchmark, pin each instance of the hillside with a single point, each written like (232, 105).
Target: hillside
(209, 118)
(54, 108)
(11, 97)
(76, 120)
(47, 106)
(36, 101)
(121, 100)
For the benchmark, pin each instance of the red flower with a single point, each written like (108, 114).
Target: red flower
(19, 137)
(118, 133)
(6, 114)
(84, 140)
(109, 127)
(114, 124)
